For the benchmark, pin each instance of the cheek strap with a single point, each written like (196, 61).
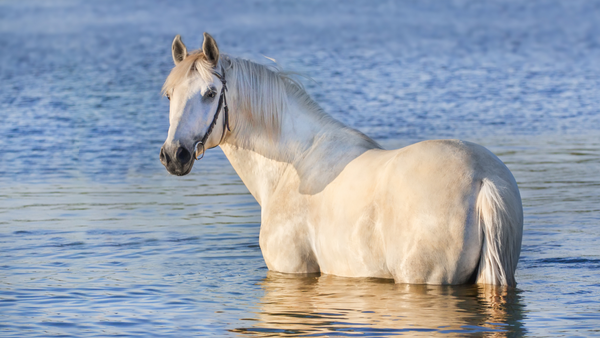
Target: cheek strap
(222, 106)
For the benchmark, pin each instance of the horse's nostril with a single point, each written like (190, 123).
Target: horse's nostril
(164, 158)
(183, 155)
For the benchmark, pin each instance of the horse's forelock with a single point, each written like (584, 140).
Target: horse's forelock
(195, 60)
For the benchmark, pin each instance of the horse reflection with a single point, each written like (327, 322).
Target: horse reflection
(338, 306)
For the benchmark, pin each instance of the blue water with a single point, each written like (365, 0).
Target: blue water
(96, 239)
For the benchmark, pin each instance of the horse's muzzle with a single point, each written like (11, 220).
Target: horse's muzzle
(178, 160)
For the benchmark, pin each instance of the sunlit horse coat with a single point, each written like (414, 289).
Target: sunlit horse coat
(333, 201)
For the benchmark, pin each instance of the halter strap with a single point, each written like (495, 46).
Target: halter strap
(222, 104)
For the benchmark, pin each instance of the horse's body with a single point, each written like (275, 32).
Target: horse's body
(333, 201)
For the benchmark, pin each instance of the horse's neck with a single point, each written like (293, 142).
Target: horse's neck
(311, 150)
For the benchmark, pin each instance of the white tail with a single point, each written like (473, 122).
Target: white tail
(501, 224)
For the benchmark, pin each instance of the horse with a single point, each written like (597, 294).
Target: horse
(333, 201)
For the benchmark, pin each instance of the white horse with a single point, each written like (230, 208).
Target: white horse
(333, 201)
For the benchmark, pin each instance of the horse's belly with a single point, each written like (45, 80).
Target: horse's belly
(355, 252)
(422, 248)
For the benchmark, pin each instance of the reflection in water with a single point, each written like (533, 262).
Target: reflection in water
(312, 305)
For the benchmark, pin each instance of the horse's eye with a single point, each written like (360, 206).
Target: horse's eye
(211, 94)
(169, 97)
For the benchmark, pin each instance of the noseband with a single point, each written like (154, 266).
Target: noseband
(222, 104)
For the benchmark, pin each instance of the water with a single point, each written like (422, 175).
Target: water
(96, 239)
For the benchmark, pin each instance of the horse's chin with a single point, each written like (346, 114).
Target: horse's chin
(181, 171)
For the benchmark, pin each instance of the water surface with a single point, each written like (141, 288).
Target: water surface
(96, 239)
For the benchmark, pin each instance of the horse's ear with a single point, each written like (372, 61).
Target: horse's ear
(210, 49)
(178, 49)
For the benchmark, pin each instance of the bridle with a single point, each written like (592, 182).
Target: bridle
(222, 104)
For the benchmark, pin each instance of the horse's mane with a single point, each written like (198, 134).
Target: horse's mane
(260, 92)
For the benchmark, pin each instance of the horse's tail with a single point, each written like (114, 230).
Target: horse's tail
(501, 225)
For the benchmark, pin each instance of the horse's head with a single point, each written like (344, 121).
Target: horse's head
(194, 89)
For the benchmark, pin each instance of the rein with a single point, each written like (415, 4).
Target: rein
(222, 104)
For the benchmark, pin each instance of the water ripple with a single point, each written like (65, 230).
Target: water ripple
(97, 240)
